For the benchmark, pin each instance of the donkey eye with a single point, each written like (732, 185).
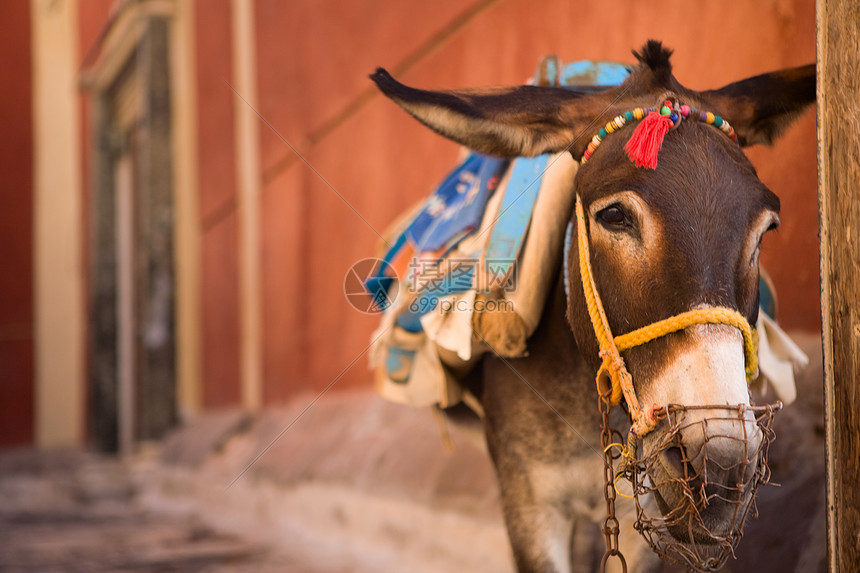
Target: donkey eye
(755, 253)
(613, 216)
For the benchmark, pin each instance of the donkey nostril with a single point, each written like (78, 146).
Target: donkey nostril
(676, 462)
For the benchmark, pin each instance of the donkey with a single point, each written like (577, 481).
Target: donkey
(665, 238)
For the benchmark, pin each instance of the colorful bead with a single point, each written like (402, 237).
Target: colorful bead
(675, 115)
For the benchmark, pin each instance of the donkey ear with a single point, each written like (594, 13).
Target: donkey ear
(762, 107)
(509, 122)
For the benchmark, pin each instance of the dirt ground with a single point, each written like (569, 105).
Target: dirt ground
(70, 512)
(67, 511)
(356, 485)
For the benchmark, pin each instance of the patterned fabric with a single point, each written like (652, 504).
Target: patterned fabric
(452, 212)
(456, 207)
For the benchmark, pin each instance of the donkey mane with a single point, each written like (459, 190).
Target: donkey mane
(656, 57)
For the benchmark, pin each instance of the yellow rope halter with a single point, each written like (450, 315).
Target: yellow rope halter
(613, 379)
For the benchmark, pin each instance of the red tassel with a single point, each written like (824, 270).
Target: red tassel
(645, 143)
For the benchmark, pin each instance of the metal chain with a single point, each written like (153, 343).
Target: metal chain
(610, 525)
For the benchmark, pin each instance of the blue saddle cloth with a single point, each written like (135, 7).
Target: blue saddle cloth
(457, 206)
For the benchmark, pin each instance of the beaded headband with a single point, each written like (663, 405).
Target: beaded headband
(645, 143)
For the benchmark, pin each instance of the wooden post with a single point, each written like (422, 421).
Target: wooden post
(839, 204)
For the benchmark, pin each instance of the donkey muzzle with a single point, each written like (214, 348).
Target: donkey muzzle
(702, 465)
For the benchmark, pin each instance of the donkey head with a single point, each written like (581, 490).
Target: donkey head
(684, 235)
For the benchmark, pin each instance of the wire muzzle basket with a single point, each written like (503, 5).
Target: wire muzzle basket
(692, 503)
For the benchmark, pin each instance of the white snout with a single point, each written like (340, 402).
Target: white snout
(707, 370)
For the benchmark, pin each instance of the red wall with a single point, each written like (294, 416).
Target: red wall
(313, 61)
(216, 173)
(16, 227)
